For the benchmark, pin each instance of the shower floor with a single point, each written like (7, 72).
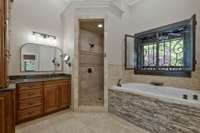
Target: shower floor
(92, 99)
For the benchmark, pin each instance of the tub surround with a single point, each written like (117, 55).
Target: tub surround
(154, 114)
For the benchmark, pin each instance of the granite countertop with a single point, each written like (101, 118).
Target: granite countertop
(11, 87)
(32, 78)
(17, 81)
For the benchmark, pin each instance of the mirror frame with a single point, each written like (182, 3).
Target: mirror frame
(62, 64)
(126, 45)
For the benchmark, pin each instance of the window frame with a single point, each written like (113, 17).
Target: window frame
(126, 51)
(178, 73)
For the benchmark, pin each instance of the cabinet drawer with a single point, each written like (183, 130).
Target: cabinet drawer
(29, 113)
(30, 86)
(24, 104)
(30, 93)
(56, 83)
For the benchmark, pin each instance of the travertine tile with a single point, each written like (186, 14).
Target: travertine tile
(91, 84)
(70, 122)
(116, 72)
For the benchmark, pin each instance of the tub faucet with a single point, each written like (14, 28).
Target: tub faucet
(119, 83)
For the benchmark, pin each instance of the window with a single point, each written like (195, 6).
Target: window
(29, 63)
(169, 50)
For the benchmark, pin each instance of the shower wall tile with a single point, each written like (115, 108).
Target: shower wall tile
(88, 38)
(91, 84)
(117, 72)
(87, 58)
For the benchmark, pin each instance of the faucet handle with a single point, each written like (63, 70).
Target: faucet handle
(119, 83)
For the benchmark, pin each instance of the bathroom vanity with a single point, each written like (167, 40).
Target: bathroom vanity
(36, 97)
(7, 110)
(7, 93)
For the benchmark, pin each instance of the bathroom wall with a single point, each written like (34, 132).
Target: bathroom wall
(91, 90)
(33, 15)
(68, 20)
(115, 28)
(149, 14)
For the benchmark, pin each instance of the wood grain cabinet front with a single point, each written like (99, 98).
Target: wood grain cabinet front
(3, 59)
(29, 101)
(64, 94)
(57, 95)
(41, 98)
(51, 98)
(7, 112)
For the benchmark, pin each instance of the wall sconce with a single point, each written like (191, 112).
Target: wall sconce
(44, 38)
(66, 59)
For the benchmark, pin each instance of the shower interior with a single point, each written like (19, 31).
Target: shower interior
(91, 62)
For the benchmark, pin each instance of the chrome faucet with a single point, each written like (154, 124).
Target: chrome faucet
(119, 83)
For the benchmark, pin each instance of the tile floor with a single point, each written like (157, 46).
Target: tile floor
(70, 122)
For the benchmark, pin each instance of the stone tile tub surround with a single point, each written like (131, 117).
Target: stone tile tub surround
(155, 112)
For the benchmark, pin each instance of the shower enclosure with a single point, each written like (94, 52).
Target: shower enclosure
(91, 63)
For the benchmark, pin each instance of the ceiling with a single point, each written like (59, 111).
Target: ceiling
(128, 2)
(132, 2)
(92, 25)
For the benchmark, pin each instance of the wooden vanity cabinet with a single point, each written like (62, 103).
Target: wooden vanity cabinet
(7, 112)
(7, 97)
(64, 95)
(29, 101)
(40, 98)
(57, 95)
(3, 59)
(5, 7)
(51, 98)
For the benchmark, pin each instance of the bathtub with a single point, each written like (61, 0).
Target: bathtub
(156, 109)
(169, 94)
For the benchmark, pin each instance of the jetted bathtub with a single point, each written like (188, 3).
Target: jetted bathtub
(158, 109)
(170, 94)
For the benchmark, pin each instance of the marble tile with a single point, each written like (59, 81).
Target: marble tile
(85, 122)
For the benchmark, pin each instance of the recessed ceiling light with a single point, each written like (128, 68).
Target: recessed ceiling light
(100, 25)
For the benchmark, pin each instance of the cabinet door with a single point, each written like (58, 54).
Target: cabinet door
(2, 45)
(7, 113)
(51, 98)
(2, 114)
(64, 94)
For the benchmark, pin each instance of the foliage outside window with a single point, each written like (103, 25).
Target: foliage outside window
(169, 50)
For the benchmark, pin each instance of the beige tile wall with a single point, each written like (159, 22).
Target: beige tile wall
(91, 84)
(117, 72)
